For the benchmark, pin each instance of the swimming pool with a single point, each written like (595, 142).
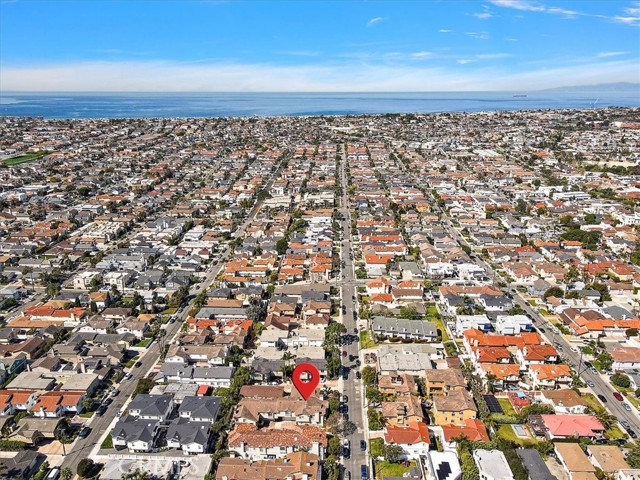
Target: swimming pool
(520, 430)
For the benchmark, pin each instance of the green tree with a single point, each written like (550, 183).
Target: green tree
(369, 376)
(553, 292)
(373, 395)
(620, 380)
(604, 360)
(136, 474)
(86, 468)
(392, 453)
(631, 332)
(281, 246)
(375, 418)
(66, 474)
(633, 455)
(334, 446)
(410, 312)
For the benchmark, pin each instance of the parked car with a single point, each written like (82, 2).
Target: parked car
(618, 396)
(626, 406)
(358, 375)
(53, 474)
(590, 384)
(625, 424)
(347, 475)
(594, 371)
(344, 353)
(101, 410)
(128, 376)
(602, 398)
(364, 472)
(345, 399)
(363, 445)
(632, 433)
(138, 364)
(84, 433)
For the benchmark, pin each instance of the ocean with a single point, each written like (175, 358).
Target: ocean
(138, 105)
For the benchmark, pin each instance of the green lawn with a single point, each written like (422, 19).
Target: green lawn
(170, 311)
(386, 469)
(86, 414)
(440, 326)
(432, 310)
(592, 402)
(144, 342)
(614, 432)
(108, 442)
(365, 341)
(532, 303)
(506, 406)
(25, 158)
(506, 432)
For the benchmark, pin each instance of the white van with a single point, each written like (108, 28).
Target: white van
(53, 474)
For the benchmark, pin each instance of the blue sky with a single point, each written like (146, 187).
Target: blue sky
(208, 45)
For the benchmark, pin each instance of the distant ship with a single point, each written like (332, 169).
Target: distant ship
(520, 95)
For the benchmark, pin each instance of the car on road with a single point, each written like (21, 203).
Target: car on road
(363, 445)
(364, 472)
(53, 474)
(625, 424)
(345, 399)
(119, 414)
(618, 396)
(84, 433)
(594, 371)
(344, 353)
(632, 433)
(347, 475)
(626, 406)
(344, 408)
(358, 375)
(541, 329)
(588, 364)
(559, 348)
(602, 398)
(346, 448)
(128, 376)
(358, 362)
(138, 364)
(574, 349)
(101, 410)
(590, 384)
(344, 309)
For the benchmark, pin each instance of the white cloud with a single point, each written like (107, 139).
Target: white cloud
(478, 35)
(161, 76)
(374, 21)
(483, 15)
(491, 56)
(519, 5)
(631, 14)
(610, 54)
(422, 54)
(444, 30)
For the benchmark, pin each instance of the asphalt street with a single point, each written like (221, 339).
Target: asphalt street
(352, 387)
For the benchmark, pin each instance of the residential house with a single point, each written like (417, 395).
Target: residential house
(247, 441)
(454, 408)
(191, 437)
(413, 439)
(137, 434)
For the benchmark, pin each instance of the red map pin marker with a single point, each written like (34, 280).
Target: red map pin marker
(305, 378)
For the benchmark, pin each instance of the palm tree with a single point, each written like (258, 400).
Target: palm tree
(605, 418)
